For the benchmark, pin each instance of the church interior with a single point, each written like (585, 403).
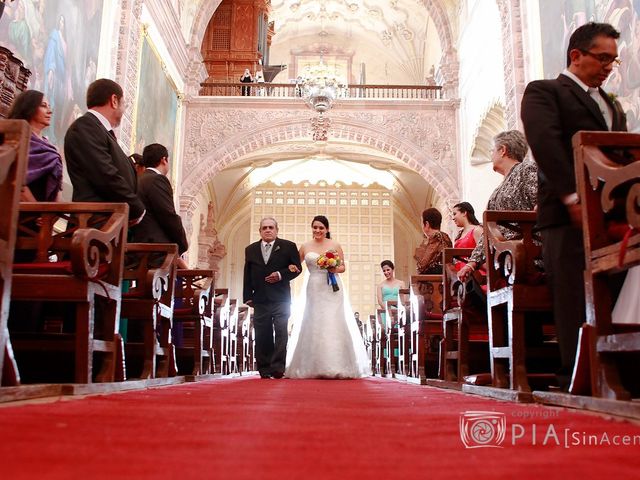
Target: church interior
(369, 112)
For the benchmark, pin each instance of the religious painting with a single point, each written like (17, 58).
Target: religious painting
(157, 103)
(560, 18)
(59, 43)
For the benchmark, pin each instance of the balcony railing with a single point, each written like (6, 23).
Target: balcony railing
(288, 90)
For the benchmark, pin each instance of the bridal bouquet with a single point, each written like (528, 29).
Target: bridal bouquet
(328, 260)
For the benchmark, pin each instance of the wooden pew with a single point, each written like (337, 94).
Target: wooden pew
(193, 316)
(425, 299)
(78, 263)
(14, 149)
(367, 338)
(233, 336)
(518, 300)
(608, 180)
(148, 308)
(376, 345)
(403, 319)
(391, 317)
(246, 320)
(465, 346)
(221, 329)
(386, 349)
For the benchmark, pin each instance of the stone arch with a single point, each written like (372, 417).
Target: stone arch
(438, 169)
(492, 123)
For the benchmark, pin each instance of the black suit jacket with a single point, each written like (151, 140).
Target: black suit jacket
(552, 112)
(161, 223)
(99, 170)
(256, 289)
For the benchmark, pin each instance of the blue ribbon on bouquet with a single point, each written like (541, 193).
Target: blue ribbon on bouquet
(333, 281)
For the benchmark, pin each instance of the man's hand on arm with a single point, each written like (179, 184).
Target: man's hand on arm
(273, 277)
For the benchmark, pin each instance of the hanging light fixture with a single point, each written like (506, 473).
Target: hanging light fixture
(320, 88)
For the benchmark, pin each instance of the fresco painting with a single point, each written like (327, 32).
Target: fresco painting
(559, 18)
(38, 32)
(157, 107)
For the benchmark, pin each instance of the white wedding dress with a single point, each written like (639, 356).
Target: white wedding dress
(325, 342)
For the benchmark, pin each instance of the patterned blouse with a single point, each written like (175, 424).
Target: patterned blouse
(518, 191)
(429, 254)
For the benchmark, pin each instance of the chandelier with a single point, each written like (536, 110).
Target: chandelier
(320, 87)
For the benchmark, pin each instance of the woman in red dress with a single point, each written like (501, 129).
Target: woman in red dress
(470, 230)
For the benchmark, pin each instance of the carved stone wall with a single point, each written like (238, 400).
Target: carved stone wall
(513, 51)
(424, 139)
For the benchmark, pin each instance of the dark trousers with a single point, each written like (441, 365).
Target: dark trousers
(269, 321)
(563, 254)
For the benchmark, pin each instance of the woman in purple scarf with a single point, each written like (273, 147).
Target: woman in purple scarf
(44, 173)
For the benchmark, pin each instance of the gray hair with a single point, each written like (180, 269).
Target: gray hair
(514, 142)
(268, 218)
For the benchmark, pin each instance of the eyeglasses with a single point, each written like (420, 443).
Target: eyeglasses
(604, 58)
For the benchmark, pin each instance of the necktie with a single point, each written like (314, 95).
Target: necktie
(113, 134)
(266, 251)
(602, 104)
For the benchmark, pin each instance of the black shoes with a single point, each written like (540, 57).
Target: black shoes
(277, 374)
(264, 375)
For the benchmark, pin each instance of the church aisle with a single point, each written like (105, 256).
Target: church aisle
(288, 429)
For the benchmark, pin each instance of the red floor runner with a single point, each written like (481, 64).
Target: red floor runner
(289, 429)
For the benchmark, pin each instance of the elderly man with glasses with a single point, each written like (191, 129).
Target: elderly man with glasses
(552, 112)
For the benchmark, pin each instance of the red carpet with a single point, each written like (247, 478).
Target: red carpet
(289, 429)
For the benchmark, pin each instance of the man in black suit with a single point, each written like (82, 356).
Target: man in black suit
(552, 112)
(161, 223)
(270, 264)
(99, 170)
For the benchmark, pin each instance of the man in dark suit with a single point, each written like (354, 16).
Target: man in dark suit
(161, 223)
(552, 112)
(270, 264)
(99, 170)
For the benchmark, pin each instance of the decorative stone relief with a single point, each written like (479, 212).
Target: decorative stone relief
(210, 250)
(422, 139)
(513, 54)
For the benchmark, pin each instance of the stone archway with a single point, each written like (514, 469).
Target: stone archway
(423, 140)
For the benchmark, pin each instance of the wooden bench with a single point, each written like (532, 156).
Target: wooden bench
(518, 301)
(222, 304)
(403, 322)
(72, 253)
(386, 349)
(425, 299)
(192, 316)
(14, 149)
(608, 180)
(367, 338)
(391, 317)
(465, 346)
(376, 345)
(233, 336)
(148, 308)
(246, 321)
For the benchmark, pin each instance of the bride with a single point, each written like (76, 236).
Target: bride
(325, 342)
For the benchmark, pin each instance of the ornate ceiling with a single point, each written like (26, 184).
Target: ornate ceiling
(395, 40)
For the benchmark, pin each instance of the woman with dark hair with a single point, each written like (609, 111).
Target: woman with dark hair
(44, 173)
(325, 342)
(464, 216)
(388, 289)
